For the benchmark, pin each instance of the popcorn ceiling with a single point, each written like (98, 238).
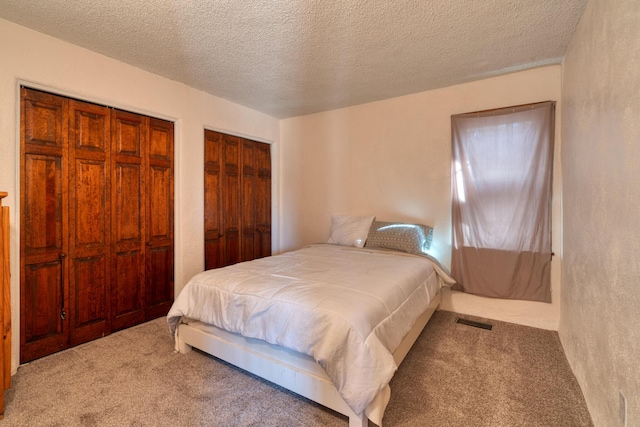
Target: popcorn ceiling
(293, 57)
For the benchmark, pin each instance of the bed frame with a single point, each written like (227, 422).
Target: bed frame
(289, 369)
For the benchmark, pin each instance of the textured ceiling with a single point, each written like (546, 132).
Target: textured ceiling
(292, 57)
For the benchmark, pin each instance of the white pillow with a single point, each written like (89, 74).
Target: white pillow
(350, 230)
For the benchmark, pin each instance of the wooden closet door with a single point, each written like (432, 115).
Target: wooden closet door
(231, 199)
(263, 200)
(159, 284)
(43, 224)
(237, 199)
(213, 248)
(249, 202)
(89, 221)
(128, 201)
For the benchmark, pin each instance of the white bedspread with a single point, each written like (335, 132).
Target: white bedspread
(347, 308)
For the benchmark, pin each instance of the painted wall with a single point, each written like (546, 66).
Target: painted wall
(46, 63)
(600, 307)
(392, 159)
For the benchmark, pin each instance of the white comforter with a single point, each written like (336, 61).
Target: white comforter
(347, 308)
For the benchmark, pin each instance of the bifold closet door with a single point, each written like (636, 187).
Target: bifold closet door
(64, 223)
(256, 200)
(89, 222)
(230, 219)
(263, 200)
(213, 248)
(44, 202)
(159, 239)
(96, 225)
(248, 200)
(222, 182)
(128, 200)
(237, 199)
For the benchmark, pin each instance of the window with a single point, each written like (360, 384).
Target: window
(502, 162)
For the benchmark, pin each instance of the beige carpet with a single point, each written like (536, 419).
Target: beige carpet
(455, 375)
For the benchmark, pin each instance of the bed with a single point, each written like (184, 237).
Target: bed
(331, 322)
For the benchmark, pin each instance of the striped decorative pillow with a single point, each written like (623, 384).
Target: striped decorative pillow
(411, 238)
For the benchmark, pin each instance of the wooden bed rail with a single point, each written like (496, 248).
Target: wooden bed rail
(5, 303)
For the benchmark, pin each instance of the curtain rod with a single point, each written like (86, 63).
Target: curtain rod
(493, 110)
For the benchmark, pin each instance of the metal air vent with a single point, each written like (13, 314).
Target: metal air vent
(473, 323)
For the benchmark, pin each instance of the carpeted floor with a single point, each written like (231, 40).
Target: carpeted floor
(456, 375)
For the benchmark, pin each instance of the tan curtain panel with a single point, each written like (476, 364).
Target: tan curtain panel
(502, 163)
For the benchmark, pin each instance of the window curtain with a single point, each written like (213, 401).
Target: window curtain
(502, 164)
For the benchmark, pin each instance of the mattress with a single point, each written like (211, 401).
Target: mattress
(346, 308)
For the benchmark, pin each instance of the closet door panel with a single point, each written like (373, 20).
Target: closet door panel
(160, 140)
(214, 250)
(159, 296)
(159, 286)
(160, 215)
(127, 296)
(128, 200)
(43, 119)
(42, 215)
(128, 144)
(89, 298)
(231, 199)
(89, 206)
(43, 330)
(263, 200)
(129, 134)
(126, 290)
(248, 197)
(43, 224)
(89, 220)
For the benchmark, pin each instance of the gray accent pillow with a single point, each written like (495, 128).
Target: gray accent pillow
(411, 238)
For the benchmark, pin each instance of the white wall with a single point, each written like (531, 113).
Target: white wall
(392, 159)
(46, 63)
(600, 315)
(389, 158)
